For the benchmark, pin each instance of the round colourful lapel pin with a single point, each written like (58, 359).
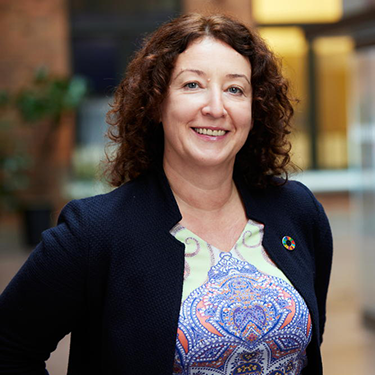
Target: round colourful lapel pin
(288, 243)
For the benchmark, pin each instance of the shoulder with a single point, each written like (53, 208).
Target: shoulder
(301, 201)
(289, 204)
(103, 207)
(303, 197)
(298, 204)
(290, 189)
(145, 200)
(287, 196)
(296, 191)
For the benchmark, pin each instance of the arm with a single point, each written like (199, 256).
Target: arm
(323, 252)
(323, 260)
(46, 297)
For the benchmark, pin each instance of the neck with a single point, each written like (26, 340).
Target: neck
(207, 189)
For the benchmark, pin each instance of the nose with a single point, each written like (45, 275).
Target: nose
(214, 105)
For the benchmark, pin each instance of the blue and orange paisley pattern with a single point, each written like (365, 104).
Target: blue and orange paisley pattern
(242, 321)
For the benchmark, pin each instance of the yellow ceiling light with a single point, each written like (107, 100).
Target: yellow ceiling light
(296, 11)
(284, 40)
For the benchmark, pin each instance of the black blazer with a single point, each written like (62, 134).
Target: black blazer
(111, 273)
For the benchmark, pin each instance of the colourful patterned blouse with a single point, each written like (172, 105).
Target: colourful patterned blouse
(239, 313)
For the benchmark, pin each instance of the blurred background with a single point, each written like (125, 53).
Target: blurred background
(60, 62)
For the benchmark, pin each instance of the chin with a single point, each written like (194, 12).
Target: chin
(212, 162)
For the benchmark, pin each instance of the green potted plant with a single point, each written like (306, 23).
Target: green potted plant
(41, 116)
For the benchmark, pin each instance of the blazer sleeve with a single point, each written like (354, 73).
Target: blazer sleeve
(323, 253)
(46, 297)
(323, 263)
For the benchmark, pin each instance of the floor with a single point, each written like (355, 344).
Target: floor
(348, 347)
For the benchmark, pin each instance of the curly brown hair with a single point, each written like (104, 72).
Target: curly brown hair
(135, 115)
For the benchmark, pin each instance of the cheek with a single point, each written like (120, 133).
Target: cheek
(244, 118)
(179, 111)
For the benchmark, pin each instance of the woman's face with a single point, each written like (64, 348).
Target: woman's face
(206, 115)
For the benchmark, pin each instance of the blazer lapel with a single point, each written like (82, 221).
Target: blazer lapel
(271, 209)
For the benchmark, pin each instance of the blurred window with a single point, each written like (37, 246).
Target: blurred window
(318, 69)
(289, 44)
(333, 56)
(105, 34)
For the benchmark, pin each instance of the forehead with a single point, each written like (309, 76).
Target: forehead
(209, 54)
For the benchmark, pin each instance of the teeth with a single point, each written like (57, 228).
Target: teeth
(214, 133)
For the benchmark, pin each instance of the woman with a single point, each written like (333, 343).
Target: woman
(203, 261)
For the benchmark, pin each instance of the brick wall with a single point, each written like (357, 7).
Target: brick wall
(32, 33)
(240, 9)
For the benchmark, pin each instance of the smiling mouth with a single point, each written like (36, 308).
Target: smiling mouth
(214, 133)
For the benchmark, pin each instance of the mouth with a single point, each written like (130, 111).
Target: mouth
(210, 132)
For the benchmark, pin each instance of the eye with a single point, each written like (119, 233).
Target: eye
(235, 90)
(191, 85)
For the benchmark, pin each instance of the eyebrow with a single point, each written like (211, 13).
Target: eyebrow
(201, 73)
(234, 75)
(196, 71)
